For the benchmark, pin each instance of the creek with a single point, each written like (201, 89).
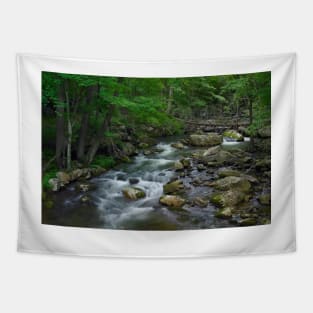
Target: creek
(108, 208)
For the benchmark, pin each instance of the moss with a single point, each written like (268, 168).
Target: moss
(224, 213)
(173, 187)
(233, 135)
(217, 199)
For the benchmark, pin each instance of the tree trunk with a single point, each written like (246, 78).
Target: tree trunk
(97, 140)
(106, 125)
(69, 144)
(60, 135)
(69, 128)
(82, 137)
(169, 100)
(92, 92)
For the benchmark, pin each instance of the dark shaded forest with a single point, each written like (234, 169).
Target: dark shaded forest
(91, 124)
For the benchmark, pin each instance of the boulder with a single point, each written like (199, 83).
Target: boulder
(133, 193)
(233, 135)
(225, 172)
(133, 180)
(173, 187)
(265, 198)
(224, 213)
(223, 157)
(250, 178)
(201, 202)
(233, 182)
(54, 184)
(205, 140)
(228, 198)
(178, 145)
(128, 149)
(212, 151)
(76, 174)
(178, 166)
(99, 170)
(84, 187)
(172, 201)
(63, 178)
(186, 162)
(201, 167)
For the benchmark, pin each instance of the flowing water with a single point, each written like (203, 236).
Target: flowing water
(108, 208)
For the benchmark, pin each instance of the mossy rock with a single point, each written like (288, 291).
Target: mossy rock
(186, 162)
(225, 172)
(205, 140)
(265, 198)
(133, 193)
(178, 145)
(228, 198)
(173, 187)
(224, 213)
(178, 166)
(233, 134)
(172, 201)
(212, 151)
(233, 182)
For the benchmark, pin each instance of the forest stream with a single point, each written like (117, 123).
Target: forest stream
(107, 207)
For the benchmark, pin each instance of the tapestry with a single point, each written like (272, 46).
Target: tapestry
(186, 158)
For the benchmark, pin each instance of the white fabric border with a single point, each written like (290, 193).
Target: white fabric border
(278, 237)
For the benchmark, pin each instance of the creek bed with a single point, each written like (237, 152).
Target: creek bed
(106, 206)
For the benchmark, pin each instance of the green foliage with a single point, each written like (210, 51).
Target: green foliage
(45, 179)
(145, 103)
(106, 162)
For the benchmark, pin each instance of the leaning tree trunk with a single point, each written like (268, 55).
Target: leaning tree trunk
(104, 127)
(95, 144)
(90, 97)
(82, 137)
